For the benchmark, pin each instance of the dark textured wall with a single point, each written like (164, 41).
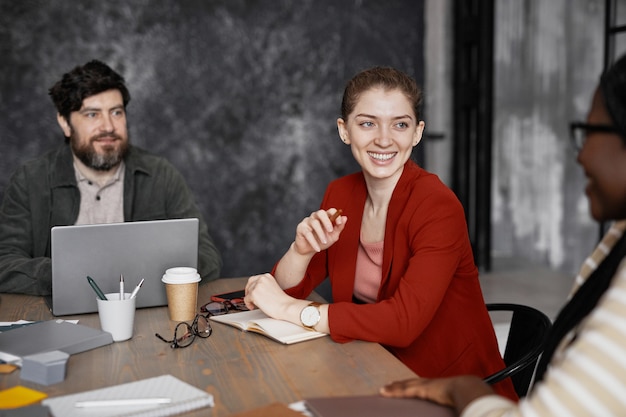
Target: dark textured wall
(242, 96)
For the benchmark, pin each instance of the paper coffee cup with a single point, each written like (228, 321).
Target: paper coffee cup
(181, 287)
(117, 316)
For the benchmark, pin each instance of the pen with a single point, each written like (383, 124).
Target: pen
(335, 215)
(136, 290)
(121, 287)
(125, 402)
(96, 288)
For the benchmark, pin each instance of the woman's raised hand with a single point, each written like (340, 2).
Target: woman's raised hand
(319, 231)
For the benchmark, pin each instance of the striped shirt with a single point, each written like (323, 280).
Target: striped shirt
(587, 374)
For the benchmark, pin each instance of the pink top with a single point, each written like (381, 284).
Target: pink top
(369, 270)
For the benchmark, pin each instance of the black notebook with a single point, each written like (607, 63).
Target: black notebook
(375, 406)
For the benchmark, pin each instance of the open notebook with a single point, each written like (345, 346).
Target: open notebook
(279, 330)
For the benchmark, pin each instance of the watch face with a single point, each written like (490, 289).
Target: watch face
(310, 316)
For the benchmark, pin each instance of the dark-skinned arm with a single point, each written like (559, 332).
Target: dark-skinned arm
(456, 392)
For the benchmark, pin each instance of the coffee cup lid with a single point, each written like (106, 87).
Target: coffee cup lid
(180, 270)
(169, 279)
(180, 275)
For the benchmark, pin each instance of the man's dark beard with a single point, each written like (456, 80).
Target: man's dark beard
(88, 156)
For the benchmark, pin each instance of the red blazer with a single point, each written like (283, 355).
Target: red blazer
(430, 312)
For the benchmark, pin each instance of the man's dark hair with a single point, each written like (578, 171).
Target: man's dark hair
(85, 81)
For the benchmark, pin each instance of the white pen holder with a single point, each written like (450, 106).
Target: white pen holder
(117, 316)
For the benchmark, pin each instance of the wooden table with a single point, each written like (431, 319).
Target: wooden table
(242, 370)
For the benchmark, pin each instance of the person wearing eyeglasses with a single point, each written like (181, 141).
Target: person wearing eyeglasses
(582, 371)
(398, 253)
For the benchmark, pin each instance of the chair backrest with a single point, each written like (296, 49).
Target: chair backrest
(524, 344)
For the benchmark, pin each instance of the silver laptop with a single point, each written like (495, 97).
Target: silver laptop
(135, 250)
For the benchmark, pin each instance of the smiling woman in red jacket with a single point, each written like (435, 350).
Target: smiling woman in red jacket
(399, 258)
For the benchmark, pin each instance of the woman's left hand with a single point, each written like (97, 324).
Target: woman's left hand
(263, 292)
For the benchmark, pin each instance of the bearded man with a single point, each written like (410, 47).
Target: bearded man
(95, 177)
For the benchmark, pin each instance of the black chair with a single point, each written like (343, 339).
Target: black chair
(524, 344)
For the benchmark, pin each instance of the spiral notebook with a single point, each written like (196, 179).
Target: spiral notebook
(184, 398)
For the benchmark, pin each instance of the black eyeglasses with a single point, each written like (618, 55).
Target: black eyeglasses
(579, 131)
(185, 333)
(217, 308)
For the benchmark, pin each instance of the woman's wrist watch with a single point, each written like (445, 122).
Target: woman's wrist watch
(310, 315)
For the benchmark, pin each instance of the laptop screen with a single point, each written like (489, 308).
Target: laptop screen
(135, 250)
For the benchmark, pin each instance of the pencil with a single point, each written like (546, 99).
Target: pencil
(122, 402)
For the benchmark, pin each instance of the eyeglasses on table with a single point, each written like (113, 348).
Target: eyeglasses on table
(185, 333)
